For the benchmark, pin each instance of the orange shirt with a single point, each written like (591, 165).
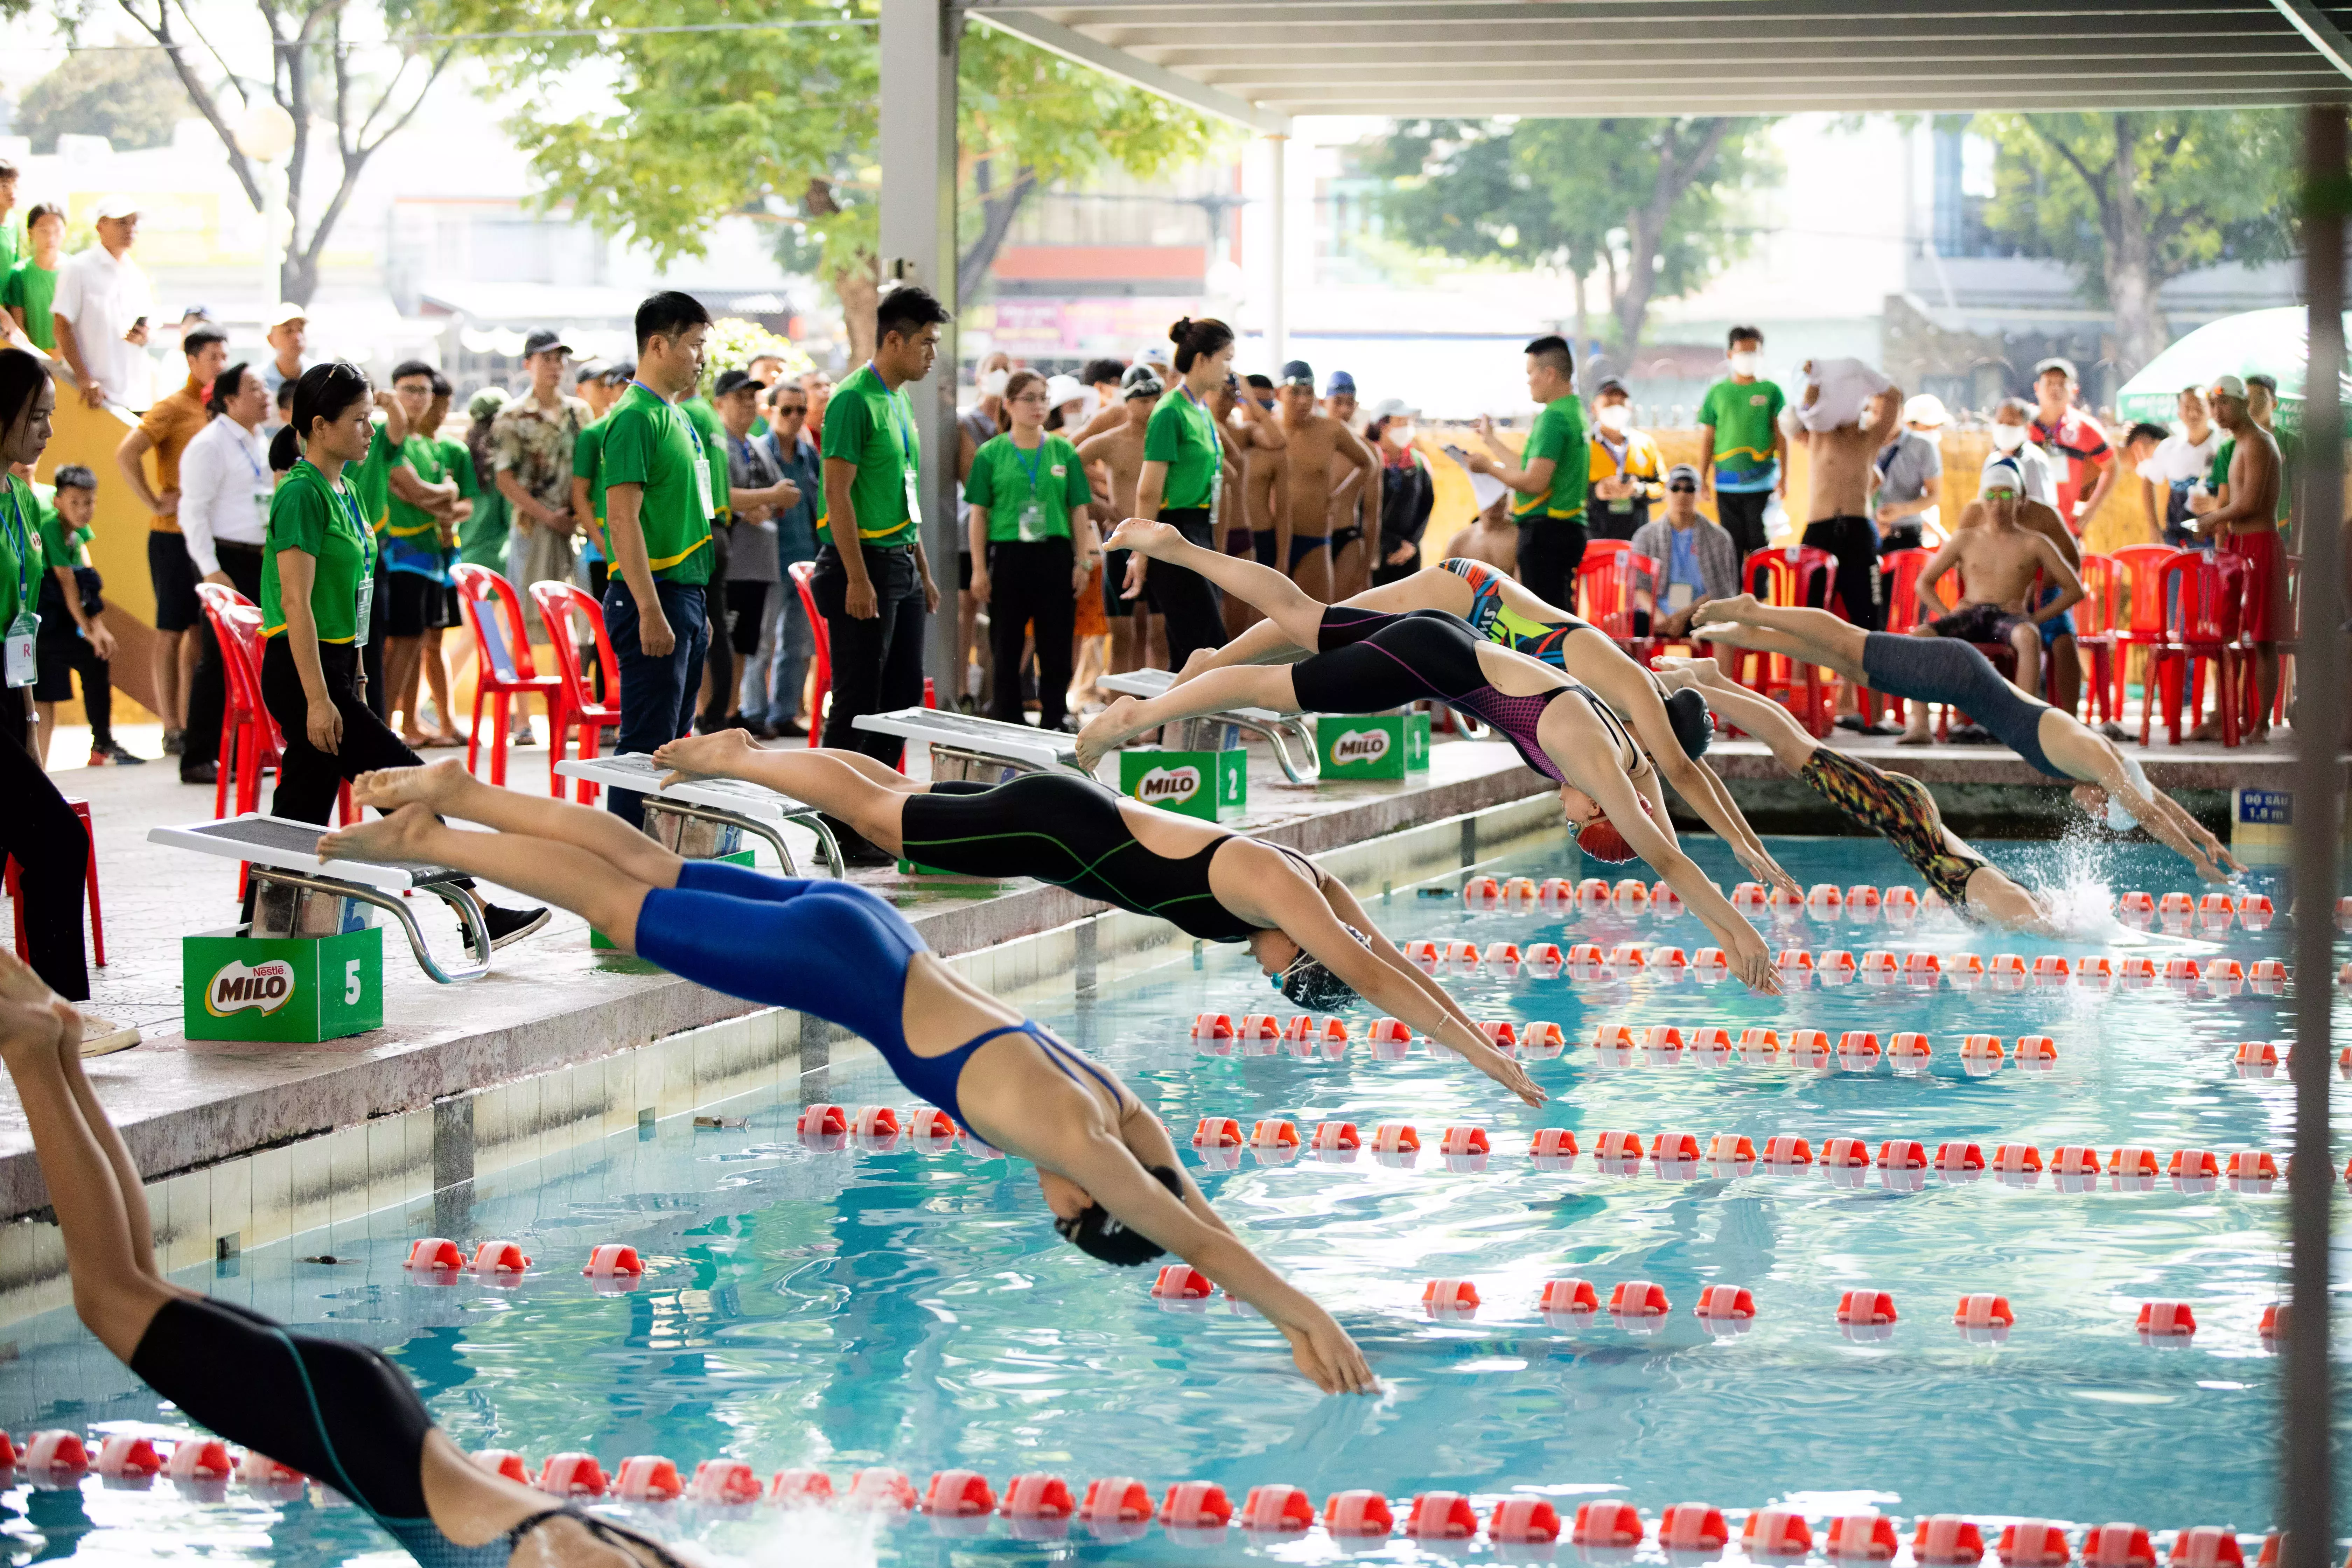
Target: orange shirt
(175, 420)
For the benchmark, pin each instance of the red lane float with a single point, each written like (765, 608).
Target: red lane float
(726, 1483)
(1568, 1296)
(1693, 1527)
(1522, 1520)
(1861, 1538)
(1947, 1538)
(1442, 1296)
(611, 1260)
(1358, 1514)
(1984, 1310)
(958, 1494)
(571, 1475)
(646, 1477)
(1775, 1533)
(1610, 1524)
(1181, 1282)
(1732, 1302)
(1866, 1307)
(800, 1489)
(433, 1255)
(1442, 1516)
(1036, 1497)
(1276, 1510)
(1195, 1505)
(1639, 1298)
(2118, 1546)
(2159, 1320)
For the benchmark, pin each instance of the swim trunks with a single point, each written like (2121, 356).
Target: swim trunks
(1979, 623)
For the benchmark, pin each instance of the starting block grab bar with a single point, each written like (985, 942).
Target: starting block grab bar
(1276, 729)
(283, 855)
(965, 746)
(721, 802)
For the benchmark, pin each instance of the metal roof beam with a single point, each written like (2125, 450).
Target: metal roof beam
(1272, 80)
(2323, 33)
(1073, 44)
(1266, 28)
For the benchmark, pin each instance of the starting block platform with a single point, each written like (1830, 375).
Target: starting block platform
(984, 750)
(1221, 730)
(674, 812)
(288, 879)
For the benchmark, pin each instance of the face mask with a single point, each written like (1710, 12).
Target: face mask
(1744, 362)
(1615, 415)
(993, 383)
(2008, 437)
(1401, 434)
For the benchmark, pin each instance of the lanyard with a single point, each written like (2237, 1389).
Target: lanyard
(339, 497)
(1032, 464)
(20, 539)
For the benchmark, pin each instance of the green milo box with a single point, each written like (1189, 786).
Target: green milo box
(1374, 746)
(292, 989)
(1210, 785)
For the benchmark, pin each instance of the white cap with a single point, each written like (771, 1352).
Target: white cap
(2004, 472)
(1390, 407)
(115, 206)
(285, 310)
(1061, 389)
(1925, 409)
(1155, 353)
(2229, 387)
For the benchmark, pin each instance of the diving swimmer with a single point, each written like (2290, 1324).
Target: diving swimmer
(1301, 923)
(1109, 1172)
(1938, 670)
(1368, 662)
(1498, 608)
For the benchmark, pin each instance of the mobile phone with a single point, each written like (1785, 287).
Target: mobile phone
(1456, 453)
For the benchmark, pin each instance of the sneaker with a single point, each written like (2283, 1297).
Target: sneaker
(507, 925)
(199, 773)
(1851, 722)
(104, 1036)
(1970, 735)
(110, 754)
(171, 742)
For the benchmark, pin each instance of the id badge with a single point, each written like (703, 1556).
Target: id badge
(22, 670)
(363, 611)
(1678, 597)
(913, 498)
(702, 490)
(1033, 523)
(262, 496)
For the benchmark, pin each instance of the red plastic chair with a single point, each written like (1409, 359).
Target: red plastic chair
(559, 603)
(2207, 613)
(1604, 587)
(2095, 625)
(89, 883)
(822, 636)
(503, 667)
(1899, 571)
(251, 740)
(1788, 577)
(2140, 622)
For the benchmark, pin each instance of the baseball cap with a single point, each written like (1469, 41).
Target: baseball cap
(733, 381)
(2055, 362)
(1061, 389)
(1682, 471)
(1150, 354)
(1139, 381)
(1340, 382)
(541, 340)
(2001, 473)
(487, 401)
(115, 206)
(1613, 385)
(285, 310)
(590, 370)
(2229, 387)
(1393, 407)
(1925, 409)
(1298, 372)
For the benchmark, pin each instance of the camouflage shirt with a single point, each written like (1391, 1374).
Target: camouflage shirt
(535, 446)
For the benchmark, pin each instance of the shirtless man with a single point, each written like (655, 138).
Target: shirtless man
(1320, 447)
(1356, 531)
(1999, 561)
(1491, 537)
(1266, 499)
(2013, 433)
(1113, 462)
(1837, 514)
(2245, 524)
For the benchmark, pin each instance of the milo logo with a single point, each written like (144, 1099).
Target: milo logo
(1168, 786)
(266, 987)
(1360, 746)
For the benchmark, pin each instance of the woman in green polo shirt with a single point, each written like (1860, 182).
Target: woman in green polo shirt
(1183, 474)
(1029, 493)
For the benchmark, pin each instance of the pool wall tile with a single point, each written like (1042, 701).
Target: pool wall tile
(271, 1191)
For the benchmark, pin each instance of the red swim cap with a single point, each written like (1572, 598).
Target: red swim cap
(1600, 840)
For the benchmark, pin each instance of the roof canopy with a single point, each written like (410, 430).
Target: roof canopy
(1261, 61)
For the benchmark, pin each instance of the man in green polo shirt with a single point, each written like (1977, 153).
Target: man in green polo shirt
(658, 510)
(1549, 474)
(873, 583)
(27, 288)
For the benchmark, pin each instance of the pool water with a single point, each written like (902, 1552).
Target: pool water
(851, 1309)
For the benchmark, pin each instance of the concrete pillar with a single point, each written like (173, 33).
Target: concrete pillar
(1277, 305)
(919, 245)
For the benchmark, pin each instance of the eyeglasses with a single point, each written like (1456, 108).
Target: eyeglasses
(792, 410)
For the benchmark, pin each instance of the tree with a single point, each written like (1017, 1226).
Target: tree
(1649, 204)
(314, 72)
(776, 117)
(2131, 201)
(130, 96)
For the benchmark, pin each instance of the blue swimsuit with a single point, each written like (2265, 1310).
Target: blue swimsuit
(831, 949)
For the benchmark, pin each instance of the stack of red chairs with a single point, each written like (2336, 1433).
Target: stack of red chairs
(251, 740)
(1899, 571)
(822, 636)
(2206, 594)
(2137, 571)
(1789, 577)
(503, 667)
(1604, 587)
(579, 709)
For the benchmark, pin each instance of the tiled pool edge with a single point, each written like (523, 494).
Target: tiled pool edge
(253, 1200)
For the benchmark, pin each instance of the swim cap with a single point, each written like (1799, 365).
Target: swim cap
(1309, 982)
(1600, 840)
(1098, 1233)
(2003, 473)
(1694, 726)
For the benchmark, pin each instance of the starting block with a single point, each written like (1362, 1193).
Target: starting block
(1222, 730)
(984, 751)
(703, 819)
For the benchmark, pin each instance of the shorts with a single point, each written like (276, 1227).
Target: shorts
(1854, 543)
(2265, 594)
(1895, 536)
(59, 649)
(747, 606)
(174, 577)
(1977, 623)
(963, 571)
(418, 605)
(1113, 576)
(2060, 624)
(1899, 809)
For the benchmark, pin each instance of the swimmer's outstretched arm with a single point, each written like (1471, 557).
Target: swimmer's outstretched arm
(2083, 752)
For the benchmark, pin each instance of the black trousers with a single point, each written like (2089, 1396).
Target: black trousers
(41, 834)
(208, 697)
(61, 652)
(1741, 513)
(878, 663)
(1550, 550)
(1031, 582)
(379, 633)
(1854, 543)
(307, 777)
(720, 613)
(1188, 602)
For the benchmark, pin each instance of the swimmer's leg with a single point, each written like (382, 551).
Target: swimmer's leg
(446, 789)
(1431, 588)
(848, 784)
(559, 871)
(1262, 587)
(1246, 686)
(1814, 636)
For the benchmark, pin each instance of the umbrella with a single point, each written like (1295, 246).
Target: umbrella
(2272, 342)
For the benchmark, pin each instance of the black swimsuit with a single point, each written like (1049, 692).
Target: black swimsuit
(1070, 832)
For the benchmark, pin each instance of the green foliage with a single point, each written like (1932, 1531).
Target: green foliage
(735, 342)
(2192, 187)
(130, 97)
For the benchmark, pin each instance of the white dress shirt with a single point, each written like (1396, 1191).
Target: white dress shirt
(102, 297)
(224, 489)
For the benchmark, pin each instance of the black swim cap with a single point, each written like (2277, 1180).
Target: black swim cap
(1098, 1233)
(1694, 726)
(1310, 983)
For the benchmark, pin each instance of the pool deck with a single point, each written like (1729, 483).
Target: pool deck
(551, 1002)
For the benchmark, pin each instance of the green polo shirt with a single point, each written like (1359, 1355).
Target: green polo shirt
(21, 559)
(481, 538)
(1028, 494)
(652, 443)
(370, 479)
(60, 545)
(323, 522)
(588, 463)
(714, 447)
(1745, 416)
(1558, 434)
(33, 289)
(1183, 435)
(871, 425)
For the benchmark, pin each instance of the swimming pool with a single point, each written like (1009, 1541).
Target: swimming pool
(851, 1309)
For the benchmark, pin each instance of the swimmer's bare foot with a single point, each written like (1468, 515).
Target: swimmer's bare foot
(1143, 536)
(2211, 730)
(400, 836)
(704, 756)
(1732, 608)
(2259, 735)
(1677, 672)
(438, 785)
(1108, 730)
(1198, 663)
(1915, 738)
(1731, 633)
